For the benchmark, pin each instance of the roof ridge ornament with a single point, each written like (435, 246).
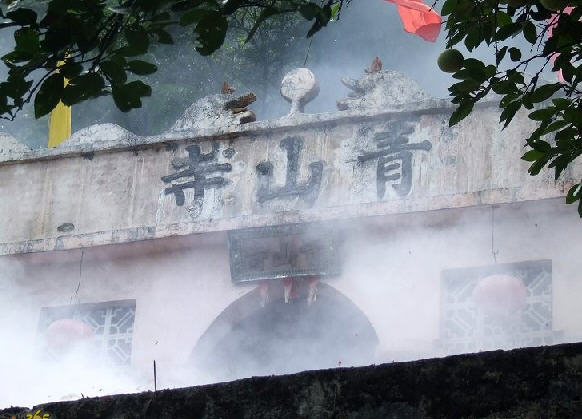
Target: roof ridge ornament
(380, 89)
(299, 87)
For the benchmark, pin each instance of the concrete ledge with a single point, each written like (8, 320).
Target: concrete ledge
(543, 382)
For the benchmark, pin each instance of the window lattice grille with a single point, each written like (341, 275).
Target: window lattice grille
(466, 328)
(112, 323)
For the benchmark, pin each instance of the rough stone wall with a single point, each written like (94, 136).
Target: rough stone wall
(526, 383)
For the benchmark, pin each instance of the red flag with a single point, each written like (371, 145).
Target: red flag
(419, 19)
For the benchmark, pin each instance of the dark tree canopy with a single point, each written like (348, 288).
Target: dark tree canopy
(96, 44)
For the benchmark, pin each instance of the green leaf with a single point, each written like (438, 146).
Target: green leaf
(561, 103)
(461, 112)
(211, 31)
(560, 164)
(474, 37)
(164, 36)
(544, 92)
(529, 32)
(141, 68)
(83, 87)
(71, 69)
(538, 165)
(465, 87)
(137, 39)
(532, 155)
(503, 87)
(48, 95)
(514, 54)
(449, 7)
(574, 194)
(509, 112)
(22, 16)
(506, 31)
(27, 41)
(503, 18)
(541, 146)
(128, 96)
(114, 71)
(542, 114)
(335, 11)
(193, 16)
(500, 54)
(574, 116)
(554, 126)
(309, 10)
(477, 67)
(16, 86)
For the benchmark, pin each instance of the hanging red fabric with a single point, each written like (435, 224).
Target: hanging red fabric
(419, 19)
(553, 22)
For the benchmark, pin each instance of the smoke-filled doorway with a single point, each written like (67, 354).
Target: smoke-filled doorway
(248, 339)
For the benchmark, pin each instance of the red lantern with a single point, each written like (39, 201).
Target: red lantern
(500, 295)
(65, 333)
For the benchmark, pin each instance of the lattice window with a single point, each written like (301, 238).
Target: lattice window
(469, 325)
(111, 324)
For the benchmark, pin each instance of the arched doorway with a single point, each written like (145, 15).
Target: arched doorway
(247, 339)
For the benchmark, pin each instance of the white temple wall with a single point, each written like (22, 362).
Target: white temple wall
(392, 272)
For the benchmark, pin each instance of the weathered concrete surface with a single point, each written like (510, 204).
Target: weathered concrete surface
(400, 158)
(526, 383)
(378, 90)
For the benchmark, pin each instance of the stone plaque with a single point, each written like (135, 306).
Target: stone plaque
(277, 252)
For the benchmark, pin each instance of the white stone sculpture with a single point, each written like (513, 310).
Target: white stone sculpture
(299, 87)
(217, 111)
(379, 90)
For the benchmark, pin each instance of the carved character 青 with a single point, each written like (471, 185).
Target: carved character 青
(394, 156)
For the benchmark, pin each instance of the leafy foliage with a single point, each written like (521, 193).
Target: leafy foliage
(99, 45)
(557, 141)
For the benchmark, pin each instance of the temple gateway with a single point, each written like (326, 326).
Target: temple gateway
(228, 247)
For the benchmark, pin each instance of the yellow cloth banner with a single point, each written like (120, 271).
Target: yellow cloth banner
(59, 122)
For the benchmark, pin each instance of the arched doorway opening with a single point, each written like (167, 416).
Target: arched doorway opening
(247, 339)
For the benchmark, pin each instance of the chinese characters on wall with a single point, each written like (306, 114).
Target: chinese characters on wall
(308, 191)
(394, 157)
(392, 152)
(198, 172)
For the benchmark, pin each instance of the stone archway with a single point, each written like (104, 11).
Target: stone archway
(247, 339)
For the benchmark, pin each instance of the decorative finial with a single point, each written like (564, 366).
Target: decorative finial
(299, 86)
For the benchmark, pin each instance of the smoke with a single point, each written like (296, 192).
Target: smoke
(391, 274)
(385, 306)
